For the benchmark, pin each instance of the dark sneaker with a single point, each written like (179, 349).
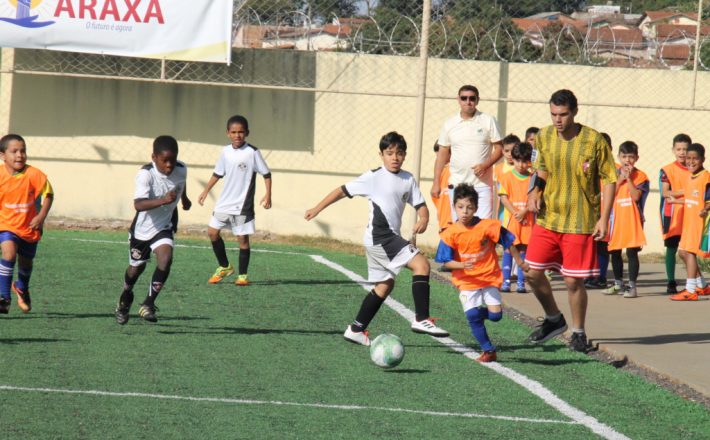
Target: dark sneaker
(548, 330)
(148, 313)
(579, 343)
(122, 310)
(4, 306)
(672, 288)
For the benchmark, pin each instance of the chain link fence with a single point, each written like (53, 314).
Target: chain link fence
(322, 80)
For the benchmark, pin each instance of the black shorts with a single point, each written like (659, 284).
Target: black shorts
(672, 242)
(139, 250)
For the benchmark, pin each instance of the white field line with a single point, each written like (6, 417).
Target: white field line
(531, 385)
(279, 403)
(578, 416)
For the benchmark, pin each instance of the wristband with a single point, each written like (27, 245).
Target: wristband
(536, 182)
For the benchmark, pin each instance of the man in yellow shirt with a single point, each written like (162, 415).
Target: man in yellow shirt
(572, 160)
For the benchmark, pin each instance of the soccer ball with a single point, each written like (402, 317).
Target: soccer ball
(387, 351)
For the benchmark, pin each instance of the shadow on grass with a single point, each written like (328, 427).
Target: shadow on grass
(698, 338)
(250, 331)
(13, 341)
(58, 315)
(302, 282)
(406, 371)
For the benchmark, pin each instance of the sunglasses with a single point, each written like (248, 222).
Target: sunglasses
(468, 98)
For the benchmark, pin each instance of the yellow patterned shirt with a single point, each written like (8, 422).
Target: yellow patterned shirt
(576, 171)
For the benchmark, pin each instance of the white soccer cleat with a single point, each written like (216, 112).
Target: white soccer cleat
(428, 327)
(361, 338)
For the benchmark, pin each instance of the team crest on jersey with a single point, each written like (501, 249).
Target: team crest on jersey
(695, 193)
(405, 197)
(135, 254)
(242, 166)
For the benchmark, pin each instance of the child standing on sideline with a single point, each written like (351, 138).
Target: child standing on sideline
(626, 220)
(672, 177)
(442, 203)
(468, 249)
(388, 189)
(238, 164)
(500, 169)
(159, 186)
(23, 189)
(513, 192)
(696, 197)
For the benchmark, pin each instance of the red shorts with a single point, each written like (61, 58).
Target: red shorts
(573, 255)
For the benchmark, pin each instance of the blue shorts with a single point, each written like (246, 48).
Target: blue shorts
(24, 248)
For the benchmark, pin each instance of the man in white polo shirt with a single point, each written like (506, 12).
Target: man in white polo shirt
(470, 142)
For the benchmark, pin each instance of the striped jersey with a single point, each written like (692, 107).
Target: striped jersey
(387, 193)
(152, 184)
(239, 166)
(571, 200)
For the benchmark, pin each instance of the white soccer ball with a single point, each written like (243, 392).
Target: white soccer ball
(387, 351)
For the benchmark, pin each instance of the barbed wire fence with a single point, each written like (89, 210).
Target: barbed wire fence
(322, 80)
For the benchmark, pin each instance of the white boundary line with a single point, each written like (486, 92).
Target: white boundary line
(531, 385)
(536, 388)
(282, 403)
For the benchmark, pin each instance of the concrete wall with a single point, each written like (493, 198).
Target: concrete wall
(91, 135)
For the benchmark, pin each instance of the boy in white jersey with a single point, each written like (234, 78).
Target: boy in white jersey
(159, 186)
(388, 189)
(238, 164)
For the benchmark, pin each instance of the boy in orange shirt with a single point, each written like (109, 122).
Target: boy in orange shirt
(513, 192)
(25, 199)
(671, 179)
(696, 198)
(468, 248)
(500, 169)
(626, 220)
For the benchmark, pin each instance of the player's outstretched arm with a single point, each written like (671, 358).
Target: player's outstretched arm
(331, 198)
(213, 180)
(266, 200)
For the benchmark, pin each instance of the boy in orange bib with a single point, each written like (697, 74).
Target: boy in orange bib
(626, 221)
(513, 193)
(696, 198)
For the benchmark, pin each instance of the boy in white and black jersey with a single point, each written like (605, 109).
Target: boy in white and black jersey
(159, 186)
(388, 189)
(238, 164)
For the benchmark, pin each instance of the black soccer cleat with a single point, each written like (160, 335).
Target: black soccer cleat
(579, 343)
(147, 312)
(122, 310)
(5, 306)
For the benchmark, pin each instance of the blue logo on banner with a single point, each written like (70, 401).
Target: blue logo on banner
(23, 17)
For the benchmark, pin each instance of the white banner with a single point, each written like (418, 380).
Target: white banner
(187, 30)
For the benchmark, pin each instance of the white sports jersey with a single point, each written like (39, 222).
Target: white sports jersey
(387, 193)
(239, 166)
(152, 184)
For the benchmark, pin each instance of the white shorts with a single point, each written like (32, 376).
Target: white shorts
(237, 223)
(472, 299)
(381, 268)
(485, 202)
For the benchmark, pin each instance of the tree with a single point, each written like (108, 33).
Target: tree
(325, 10)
